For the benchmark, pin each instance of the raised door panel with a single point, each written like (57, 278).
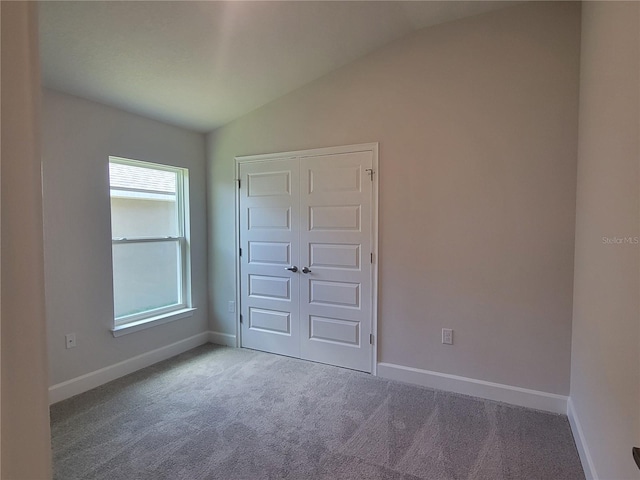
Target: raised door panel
(268, 184)
(332, 293)
(334, 330)
(269, 253)
(264, 286)
(270, 321)
(334, 218)
(269, 218)
(335, 178)
(332, 255)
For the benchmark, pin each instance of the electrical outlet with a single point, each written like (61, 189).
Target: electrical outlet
(231, 307)
(447, 336)
(70, 339)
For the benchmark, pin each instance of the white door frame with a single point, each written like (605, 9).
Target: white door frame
(362, 147)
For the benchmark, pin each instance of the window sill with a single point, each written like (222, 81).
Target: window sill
(151, 322)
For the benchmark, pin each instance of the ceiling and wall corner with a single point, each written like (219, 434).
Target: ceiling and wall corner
(199, 65)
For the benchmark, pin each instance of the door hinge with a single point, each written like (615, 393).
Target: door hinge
(371, 257)
(240, 252)
(370, 172)
(239, 182)
(371, 338)
(240, 318)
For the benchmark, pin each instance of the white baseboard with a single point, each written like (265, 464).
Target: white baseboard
(222, 339)
(581, 443)
(523, 397)
(83, 383)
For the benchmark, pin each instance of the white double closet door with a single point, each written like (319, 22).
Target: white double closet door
(306, 230)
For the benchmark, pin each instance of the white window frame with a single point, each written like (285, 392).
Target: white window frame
(142, 320)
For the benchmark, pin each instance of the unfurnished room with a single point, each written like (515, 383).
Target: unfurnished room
(320, 240)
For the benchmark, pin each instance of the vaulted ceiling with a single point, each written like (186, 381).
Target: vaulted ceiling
(199, 65)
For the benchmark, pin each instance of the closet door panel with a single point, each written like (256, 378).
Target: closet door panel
(269, 237)
(335, 248)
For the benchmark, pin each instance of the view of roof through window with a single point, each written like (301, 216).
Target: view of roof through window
(140, 179)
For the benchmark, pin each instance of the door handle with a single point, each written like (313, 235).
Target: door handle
(306, 270)
(293, 269)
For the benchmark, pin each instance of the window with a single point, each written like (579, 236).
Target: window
(149, 219)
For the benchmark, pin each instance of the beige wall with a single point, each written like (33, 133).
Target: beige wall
(605, 385)
(477, 124)
(78, 138)
(25, 443)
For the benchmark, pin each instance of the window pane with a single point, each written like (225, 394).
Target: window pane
(143, 202)
(137, 217)
(146, 276)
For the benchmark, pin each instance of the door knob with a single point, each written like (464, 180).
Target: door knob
(293, 269)
(306, 270)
